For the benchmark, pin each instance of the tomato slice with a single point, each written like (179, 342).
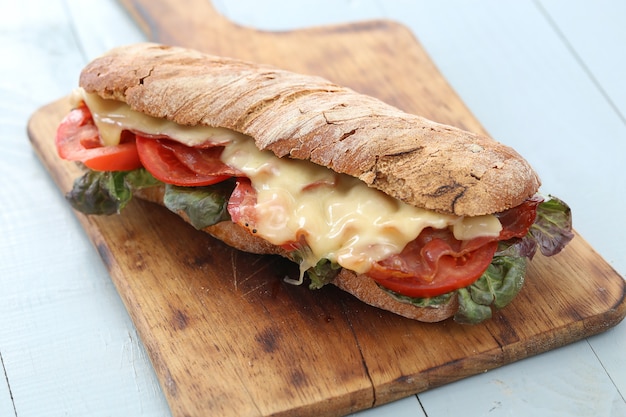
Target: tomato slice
(77, 139)
(434, 264)
(178, 164)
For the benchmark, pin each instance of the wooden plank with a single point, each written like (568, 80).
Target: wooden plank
(280, 15)
(6, 400)
(541, 388)
(68, 345)
(167, 297)
(586, 28)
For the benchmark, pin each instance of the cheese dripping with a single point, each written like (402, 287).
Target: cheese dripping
(342, 219)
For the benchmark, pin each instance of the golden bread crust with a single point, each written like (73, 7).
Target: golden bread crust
(420, 162)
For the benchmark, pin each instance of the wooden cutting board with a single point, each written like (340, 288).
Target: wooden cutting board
(228, 337)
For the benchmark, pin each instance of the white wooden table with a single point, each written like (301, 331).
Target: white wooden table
(546, 76)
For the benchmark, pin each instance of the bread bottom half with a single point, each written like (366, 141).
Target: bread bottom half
(359, 285)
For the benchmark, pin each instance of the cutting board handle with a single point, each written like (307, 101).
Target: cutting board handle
(350, 54)
(192, 23)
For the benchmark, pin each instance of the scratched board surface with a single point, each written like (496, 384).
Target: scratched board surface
(227, 336)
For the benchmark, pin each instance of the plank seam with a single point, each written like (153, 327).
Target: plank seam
(568, 45)
(358, 345)
(606, 371)
(6, 378)
(421, 405)
(74, 31)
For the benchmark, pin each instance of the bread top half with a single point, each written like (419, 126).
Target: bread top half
(421, 162)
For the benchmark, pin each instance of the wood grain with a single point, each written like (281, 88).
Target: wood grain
(227, 336)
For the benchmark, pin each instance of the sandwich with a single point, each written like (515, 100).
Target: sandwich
(422, 219)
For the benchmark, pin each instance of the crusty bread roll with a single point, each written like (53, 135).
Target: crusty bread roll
(420, 162)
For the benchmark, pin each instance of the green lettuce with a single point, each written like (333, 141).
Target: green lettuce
(552, 229)
(504, 277)
(204, 206)
(322, 273)
(105, 193)
(420, 302)
(497, 286)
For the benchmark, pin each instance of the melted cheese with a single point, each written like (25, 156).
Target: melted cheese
(113, 116)
(342, 218)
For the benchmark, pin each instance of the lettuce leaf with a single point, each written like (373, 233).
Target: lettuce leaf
(204, 206)
(498, 286)
(322, 273)
(525, 247)
(419, 302)
(470, 312)
(105, 193)
(140, 178)
(504, 278)
(552, 229)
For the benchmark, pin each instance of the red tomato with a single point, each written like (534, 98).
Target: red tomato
(178, 164)
(434, 264)
(77, 139)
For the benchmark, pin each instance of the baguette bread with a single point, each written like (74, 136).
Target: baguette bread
(420, 162)
(415, 160)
